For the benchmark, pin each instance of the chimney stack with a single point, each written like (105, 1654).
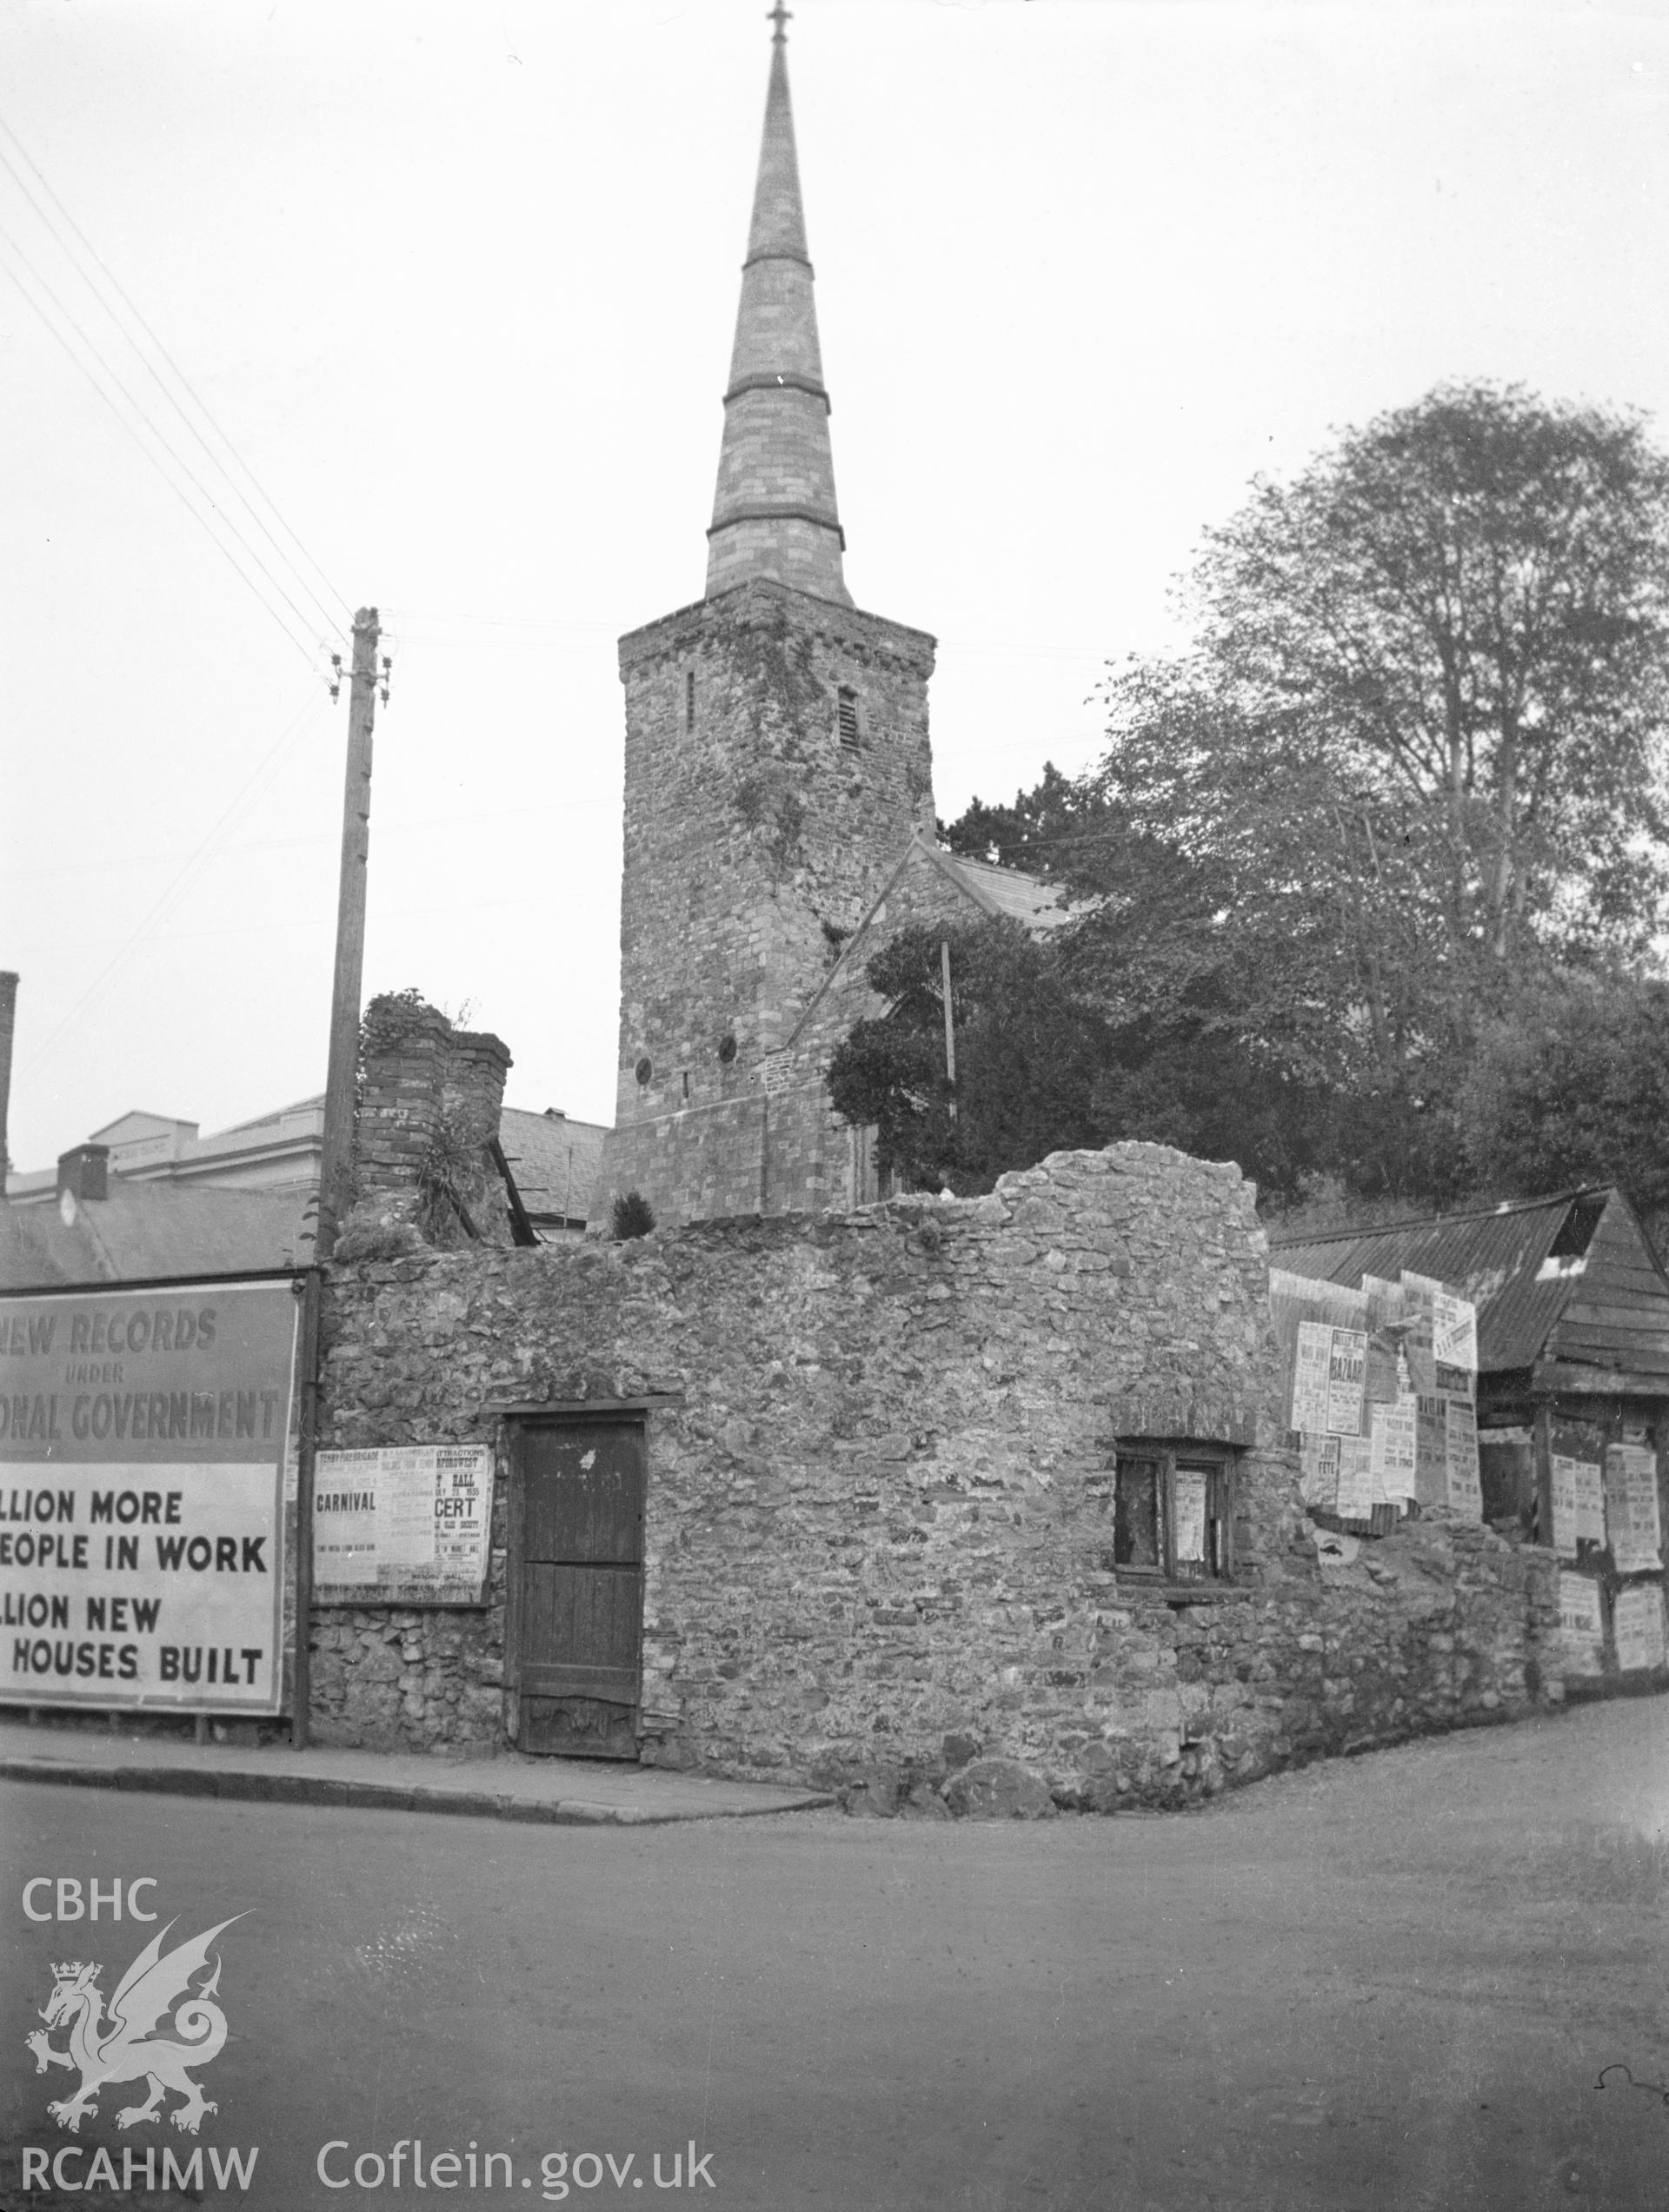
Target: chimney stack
(83, 1172)
(8, 1021)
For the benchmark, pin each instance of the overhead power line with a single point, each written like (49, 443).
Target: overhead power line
(333, 603)
(299, 636)
(315, 611)
(305, 715)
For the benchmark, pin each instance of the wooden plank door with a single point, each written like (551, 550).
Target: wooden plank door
(578, 1630)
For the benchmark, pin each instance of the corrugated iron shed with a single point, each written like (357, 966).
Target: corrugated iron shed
(1566, 1286)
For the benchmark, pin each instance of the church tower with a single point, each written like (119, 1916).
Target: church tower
(777, 768)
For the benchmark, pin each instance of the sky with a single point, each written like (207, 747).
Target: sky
(455, 281)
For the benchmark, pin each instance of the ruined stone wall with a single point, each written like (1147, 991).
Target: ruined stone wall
(879, 1518)
(748, 829)
(427, 1109)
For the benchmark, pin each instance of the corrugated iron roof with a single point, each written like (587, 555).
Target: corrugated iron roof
(1494, 1259)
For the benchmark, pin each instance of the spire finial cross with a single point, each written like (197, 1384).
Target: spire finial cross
(779, 19)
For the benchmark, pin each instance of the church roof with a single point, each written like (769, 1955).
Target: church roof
(773, 510)
(1037, 906)
(1025, 898)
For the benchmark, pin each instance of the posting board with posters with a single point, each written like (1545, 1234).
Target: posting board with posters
(1380, 1385)
(1581, 1624)
(144, 1439)
(407, 1524)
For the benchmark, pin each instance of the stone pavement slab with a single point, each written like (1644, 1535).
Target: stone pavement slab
(564, 1792)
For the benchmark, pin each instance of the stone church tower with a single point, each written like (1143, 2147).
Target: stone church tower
(777, 768)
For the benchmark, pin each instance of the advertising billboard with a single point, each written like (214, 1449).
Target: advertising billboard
(144, 1438)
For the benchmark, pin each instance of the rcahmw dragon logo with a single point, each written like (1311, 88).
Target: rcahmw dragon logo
(122, 2048)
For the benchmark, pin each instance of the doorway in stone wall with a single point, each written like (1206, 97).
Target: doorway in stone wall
(574, 1633)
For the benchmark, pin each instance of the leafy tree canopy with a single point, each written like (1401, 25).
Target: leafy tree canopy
(1027, 1057)
(1045, 832)
(1039, 1069)
(1410, 774)
(1574, 1088)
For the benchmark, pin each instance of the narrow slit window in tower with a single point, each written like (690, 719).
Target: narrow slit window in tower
(689, 699)
(849, 717)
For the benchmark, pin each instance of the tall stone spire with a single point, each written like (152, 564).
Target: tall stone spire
(774, 513)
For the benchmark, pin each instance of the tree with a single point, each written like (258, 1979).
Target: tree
(1251, 930)
(1574, 1087)
(1044, 833)
(1469, 600)
(1027, 1059)
(1413, 764)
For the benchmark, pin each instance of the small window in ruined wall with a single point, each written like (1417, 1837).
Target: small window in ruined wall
(1173, 1513)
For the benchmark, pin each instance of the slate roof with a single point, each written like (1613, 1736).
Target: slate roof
(556, 1162)
(1037, 906)
(1567, 1282)
(143, 1231)
(1026, 899)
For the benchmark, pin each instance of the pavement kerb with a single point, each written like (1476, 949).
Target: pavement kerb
(281, 1788)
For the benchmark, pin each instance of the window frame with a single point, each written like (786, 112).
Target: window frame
(1170, 1456)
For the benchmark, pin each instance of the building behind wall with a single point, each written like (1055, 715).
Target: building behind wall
(778, 778)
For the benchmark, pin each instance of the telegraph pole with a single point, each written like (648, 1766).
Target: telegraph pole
(335, 1168)
(950, 1025)
(336, 1165)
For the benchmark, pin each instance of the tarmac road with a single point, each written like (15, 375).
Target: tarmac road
(1395, 1982)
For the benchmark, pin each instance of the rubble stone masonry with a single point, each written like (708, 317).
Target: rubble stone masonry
(758, 821)
(880, 1510)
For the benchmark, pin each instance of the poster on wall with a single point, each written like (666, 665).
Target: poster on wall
(144, 1436)
(1440, 1343)
(1564, 1485)
(407, 1524)
(1454, 1332)
(1631, 1489)
(1582, 1624)
(1190, 1496)
(1445, 1453)
(1358, 1491)
(1431, 1449)
(1383, 1381)
(1318, 1470)
(1578, 1504)
(1310, 1378)
(1394, 1445)
(1590, 1502)
(1346, 1380)
(1637, 1623)
(1465, 1493)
